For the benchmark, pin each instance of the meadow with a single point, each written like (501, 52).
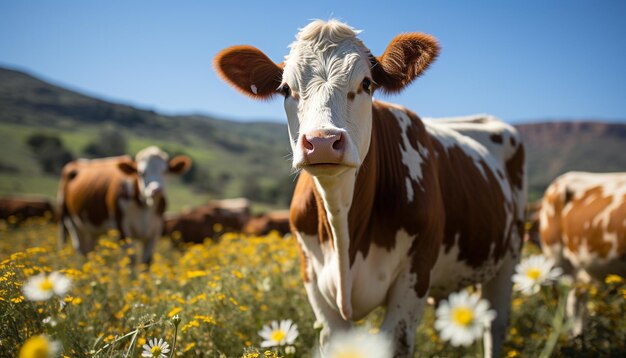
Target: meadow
(224, 293)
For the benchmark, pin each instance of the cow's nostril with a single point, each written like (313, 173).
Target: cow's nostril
(306, 143)
(339, 143)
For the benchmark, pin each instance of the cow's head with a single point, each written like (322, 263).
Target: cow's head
(327, 82)
(150, 164)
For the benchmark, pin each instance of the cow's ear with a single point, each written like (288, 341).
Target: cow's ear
(405, 58)
(179, 164)
(128, 167)
(249, 70)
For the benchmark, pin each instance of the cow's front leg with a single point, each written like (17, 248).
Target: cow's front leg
(325, 314)
(404, 311)
(148, 250)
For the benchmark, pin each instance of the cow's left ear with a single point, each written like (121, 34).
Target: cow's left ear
(128, 166)
(405, 58)
(179, 164)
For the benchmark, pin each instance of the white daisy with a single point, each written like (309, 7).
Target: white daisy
(357, 343)
(463, 318)
(533, 272)
(42, 287)
(156, 349)
(279, 334)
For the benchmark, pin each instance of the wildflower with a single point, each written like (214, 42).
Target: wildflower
(279, 334)
(42, 287)
(462, 318)
(290, 350)
(358, 343)
(39, 347)
(613, 279)
(533, 272)
(156, 349)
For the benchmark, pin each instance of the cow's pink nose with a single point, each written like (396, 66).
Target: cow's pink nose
(323, 147)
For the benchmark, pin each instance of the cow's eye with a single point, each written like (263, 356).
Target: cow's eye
(285, 90)
(367, 85)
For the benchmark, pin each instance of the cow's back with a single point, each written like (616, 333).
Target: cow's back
(583, 222)
(90, 189)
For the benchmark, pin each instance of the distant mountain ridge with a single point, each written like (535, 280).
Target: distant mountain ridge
(234, 152)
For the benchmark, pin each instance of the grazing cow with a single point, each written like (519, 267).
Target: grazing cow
(116, 193)
(207, 221)
(265, 223)
(582, 226)
(15, 210)
(388, 209)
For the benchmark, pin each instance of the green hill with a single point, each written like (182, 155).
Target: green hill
(227, 155)
(231, 158)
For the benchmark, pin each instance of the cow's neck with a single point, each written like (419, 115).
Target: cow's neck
(337, 194)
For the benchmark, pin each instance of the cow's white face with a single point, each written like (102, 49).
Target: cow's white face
(152, 163)
(327, 85)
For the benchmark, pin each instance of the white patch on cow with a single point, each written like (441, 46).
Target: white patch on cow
(409, 189)
(373, 275)
(411, 158)
(253, 88)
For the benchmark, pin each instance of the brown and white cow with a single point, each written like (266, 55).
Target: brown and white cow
(582, 227)
(388, 209)
(265, 223)
(15, 210)
(119, 193)
(207, 221)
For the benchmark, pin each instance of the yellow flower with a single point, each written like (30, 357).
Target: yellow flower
(174, 311)
(39, 347)
(613, 279)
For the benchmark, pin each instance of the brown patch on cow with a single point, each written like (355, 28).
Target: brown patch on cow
(515, 168)
(512, 141)
(351, 96)
(578, 222)
(496, 138)
(474, 207)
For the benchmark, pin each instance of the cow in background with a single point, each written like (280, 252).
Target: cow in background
(15, 210)
(119, 193)
(388, 209)
(582, 227)
(207, 221)
(265, 223)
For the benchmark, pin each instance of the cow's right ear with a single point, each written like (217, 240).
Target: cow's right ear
(128, 167)
(249, 71)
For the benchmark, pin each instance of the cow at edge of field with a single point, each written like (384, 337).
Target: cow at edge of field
(263, 224)
(388, 209)
(208, 221)
(118, 193)
(15, 210)
(582, 227)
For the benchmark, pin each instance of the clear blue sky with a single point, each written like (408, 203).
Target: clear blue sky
(519, 60)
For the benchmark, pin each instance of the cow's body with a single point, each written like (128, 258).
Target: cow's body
(208, 221)
(265, 223)
(99, 195)
(388, 208)
(582, 226)
(15, 209)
